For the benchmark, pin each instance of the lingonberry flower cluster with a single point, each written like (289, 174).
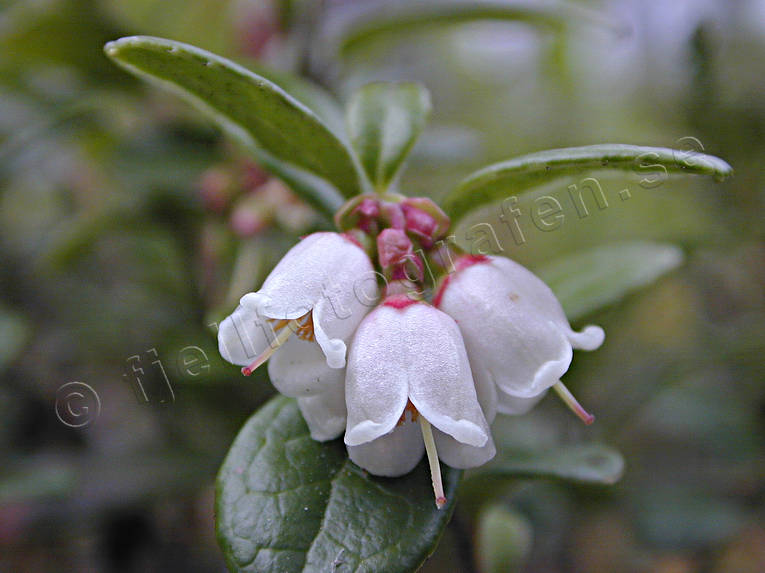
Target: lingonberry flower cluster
(388, 333)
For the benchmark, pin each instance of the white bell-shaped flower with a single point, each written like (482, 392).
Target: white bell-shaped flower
(518, 338)
(299, 370)
(320, 291)
(325, 412)
(408, 364)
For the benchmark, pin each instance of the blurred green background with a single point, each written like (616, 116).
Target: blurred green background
(129, 226)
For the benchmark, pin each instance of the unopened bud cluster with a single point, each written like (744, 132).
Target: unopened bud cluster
(251, 201)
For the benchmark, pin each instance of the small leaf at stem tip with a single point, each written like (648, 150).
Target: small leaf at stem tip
(384, 121)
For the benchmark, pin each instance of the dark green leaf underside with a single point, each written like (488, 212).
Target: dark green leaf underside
(288, 503)
(285, 135)
(591, 279)
(518, 175)
(384, 121)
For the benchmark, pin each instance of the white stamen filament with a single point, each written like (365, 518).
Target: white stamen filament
(435, 468)
(573, 403)
(280, 339)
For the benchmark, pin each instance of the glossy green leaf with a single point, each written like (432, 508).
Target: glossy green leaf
(384, 121)
(591, 279)
(285, 136)
(314, 97)
(406, 16)
(583, 463)
(288, 503)
(652, 165)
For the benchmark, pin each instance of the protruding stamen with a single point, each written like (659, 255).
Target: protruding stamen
(304, 330)
(277, 325)
(435, 467)
(410, 414)
(282, 335)
(573, 404)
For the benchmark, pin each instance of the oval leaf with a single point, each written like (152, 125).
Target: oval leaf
(520, 174)
(584, 463)
(384, 121)
(286, 136)
(406, 16)
(586, 281)
(313, 96)
(288, 503)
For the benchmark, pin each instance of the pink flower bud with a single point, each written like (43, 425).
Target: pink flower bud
(420, 223)
(253, 176)
(393, 246)
(393, 215)
(215, 189)
(367, 212)
(368, 208)
(250, 216)
(425, 220)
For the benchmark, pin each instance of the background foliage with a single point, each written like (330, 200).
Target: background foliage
(126, 227)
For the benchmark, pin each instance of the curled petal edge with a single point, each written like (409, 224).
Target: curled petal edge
(367, 431)
(464, 431)
(589, 338)
(334, 349)
(546, 376)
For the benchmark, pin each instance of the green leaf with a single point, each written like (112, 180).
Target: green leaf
(518, 175)
(285, 136)
(407, 16)
(314, 97)
(586, 281)
(384, 121)
(583, 463)
(288, 503)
